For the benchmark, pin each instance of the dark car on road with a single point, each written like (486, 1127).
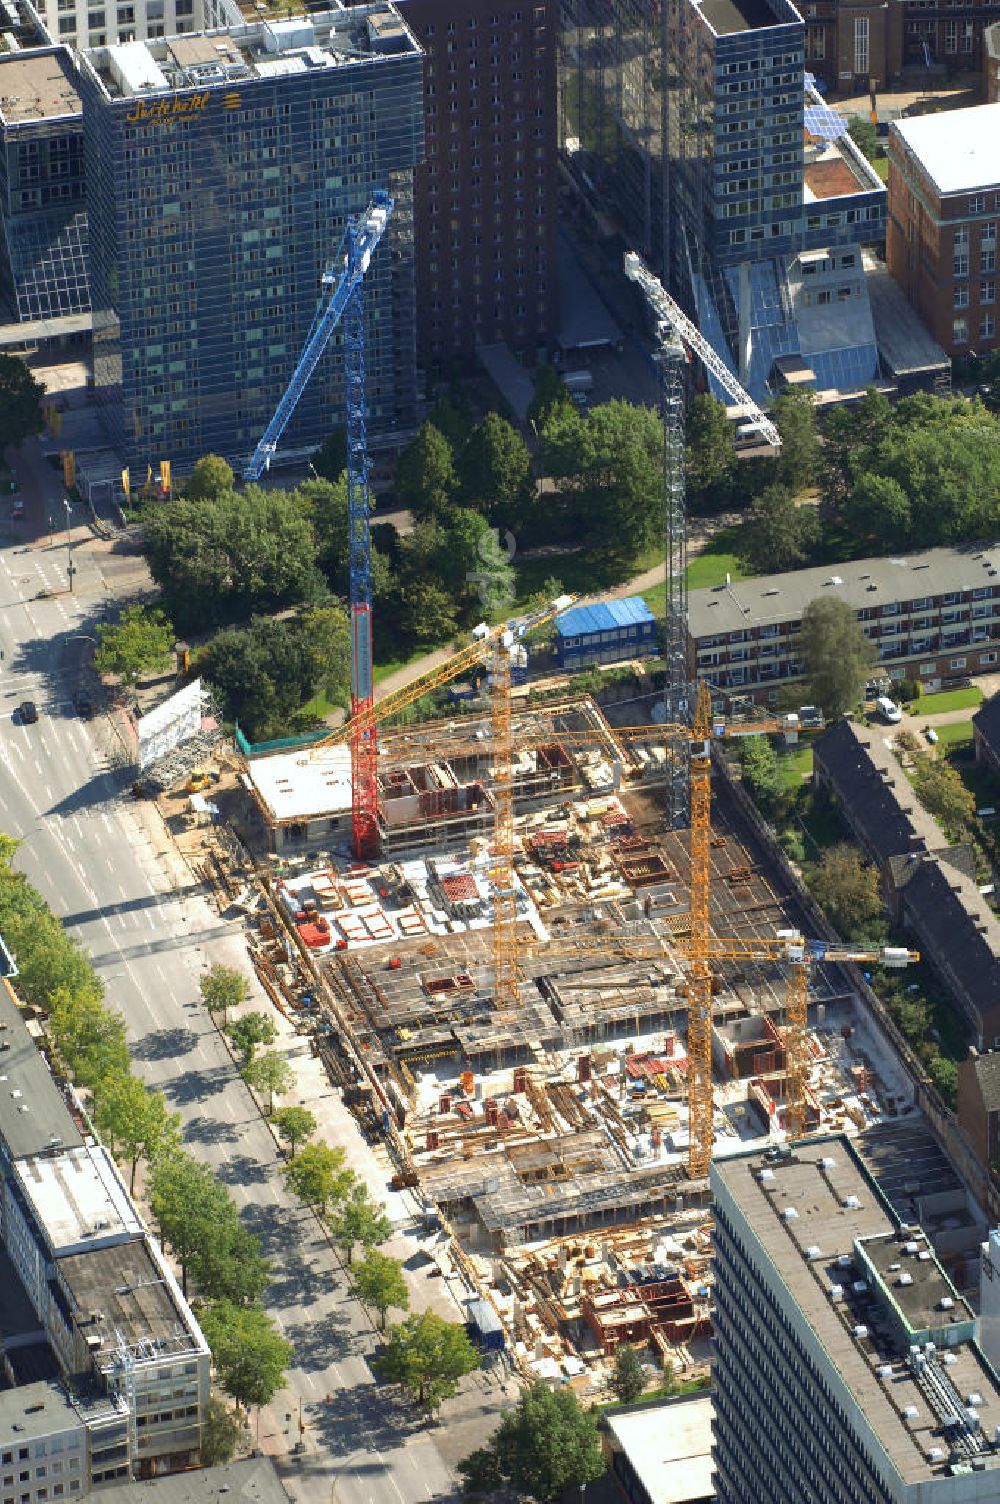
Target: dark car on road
(27, 712)
(84, 706)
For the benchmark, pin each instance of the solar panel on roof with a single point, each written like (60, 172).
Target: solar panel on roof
(824, 123)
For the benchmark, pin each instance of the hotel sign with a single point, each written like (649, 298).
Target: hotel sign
(179, 106)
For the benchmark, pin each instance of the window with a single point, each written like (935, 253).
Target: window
(987, 658)
(960, 331)
(960, 264)
(861, 45)
(956, 663)
(987, 292)
(961, 299)
(987, 326)
(951, 37)
(977, 203)
(987, 261)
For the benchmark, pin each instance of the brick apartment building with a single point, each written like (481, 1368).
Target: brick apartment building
(944, 204)
(933, 616)
(485, 195)
(852, 44)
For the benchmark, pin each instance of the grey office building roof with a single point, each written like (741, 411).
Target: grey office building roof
(34, 1118)
(122, 1291)
(35, 1411)
(253, 1481)
(775, 598)
(813, 1206)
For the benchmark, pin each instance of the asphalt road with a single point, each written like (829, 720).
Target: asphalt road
(99, 859)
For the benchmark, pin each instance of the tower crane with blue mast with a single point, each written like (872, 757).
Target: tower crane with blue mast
(342, 303)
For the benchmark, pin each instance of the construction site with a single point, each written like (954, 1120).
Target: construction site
(552, 965)
(550, 1127)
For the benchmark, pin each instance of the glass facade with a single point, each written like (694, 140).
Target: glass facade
(42, 192)
(688, 121)
(216, 199)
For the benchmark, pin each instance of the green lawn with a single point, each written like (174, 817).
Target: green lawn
(954, 734)
(795, 767)
(589, 572)
(948, 699)
(319, 706)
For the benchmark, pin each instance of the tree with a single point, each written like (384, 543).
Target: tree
(761, 771)
(134, 1120)
(20, 396)
(248, 1032)
(608, 466)
(212, 476)
(879, 507)
(221, 1432)
(943, 794)
(428, 613)
(229, 1265)
(548, 1444)
(250, 1354)
(711, 455)
(427, 1356)
(295, 1125)
(628, 1378)
(330, 459)
(318, 1177)
(269, 1073)
(944, 1073)
(794, 413)
(226, 558)
(494, 471)
(222, 988)
(139, 643)
(551, 395)
(779, 534)
(378, 1281)
(836, 653)
(864, 134)
(848, 891)
(425, 473)
(359, 1220)
(188, 1205)
(90, 1038)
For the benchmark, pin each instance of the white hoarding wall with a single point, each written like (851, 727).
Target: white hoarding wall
(169, 724)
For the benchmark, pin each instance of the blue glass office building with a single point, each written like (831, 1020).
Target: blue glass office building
(221, 169)
(43, 265)
(691, 120)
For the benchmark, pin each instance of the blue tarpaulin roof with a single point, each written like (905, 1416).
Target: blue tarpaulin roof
(606, 616)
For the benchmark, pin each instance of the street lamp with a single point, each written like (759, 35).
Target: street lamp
(70, 568)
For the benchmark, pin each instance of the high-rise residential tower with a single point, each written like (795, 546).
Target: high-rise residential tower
(486, 195)
(221, 169)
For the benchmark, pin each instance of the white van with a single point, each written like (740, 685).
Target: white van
(888, 710)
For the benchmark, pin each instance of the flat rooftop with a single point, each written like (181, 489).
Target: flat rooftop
(34, 1118)
(254, 1481)
(905, 344)
(124, 1290)
(824, 1229)
(264, 49)
(728, 16)
(670, 1448)
(863, 582)
(956, 148)
(37, 86)
(79, 1199)
(37, 1410)
(304, 784)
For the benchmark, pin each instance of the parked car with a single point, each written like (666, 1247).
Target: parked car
(27, 712)
(83, 706)
(810, 716)
(888, 710)
(17, 510)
